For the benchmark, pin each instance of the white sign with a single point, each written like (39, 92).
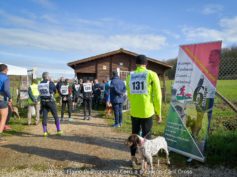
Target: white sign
(77, 86)
(64, 90)
(44, 89)
(138, 83)
(87, 87)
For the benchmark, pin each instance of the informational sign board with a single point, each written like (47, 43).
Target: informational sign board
(193, 93)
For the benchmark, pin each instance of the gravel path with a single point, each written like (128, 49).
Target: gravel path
(87, 148)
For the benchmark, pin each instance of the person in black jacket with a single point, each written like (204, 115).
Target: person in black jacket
(117, 91)
(66, 95)
(97, 94)
(87, 98)
(76, 90)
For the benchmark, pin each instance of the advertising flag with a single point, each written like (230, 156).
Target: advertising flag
(193, 93)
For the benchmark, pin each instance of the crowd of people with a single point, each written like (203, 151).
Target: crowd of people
(71, 93)
(142, 87)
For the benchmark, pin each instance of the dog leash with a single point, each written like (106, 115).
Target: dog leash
(147, 134)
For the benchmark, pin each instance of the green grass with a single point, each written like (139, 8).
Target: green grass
(228, 89)
(17, 125)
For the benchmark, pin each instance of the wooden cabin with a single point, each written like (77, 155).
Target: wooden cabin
(123, 61)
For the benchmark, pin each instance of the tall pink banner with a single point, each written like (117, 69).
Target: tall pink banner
(193, 93)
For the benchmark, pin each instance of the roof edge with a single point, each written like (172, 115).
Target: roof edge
(121, 50)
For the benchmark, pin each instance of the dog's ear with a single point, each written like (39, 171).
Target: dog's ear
(138, 141)
(134, 139)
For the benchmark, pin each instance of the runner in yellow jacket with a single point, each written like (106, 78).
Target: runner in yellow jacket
(144, 94)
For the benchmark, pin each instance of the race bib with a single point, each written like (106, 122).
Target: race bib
(77, 87)
(44, 89)
(138, 83)
(64, 90)
(87, 87)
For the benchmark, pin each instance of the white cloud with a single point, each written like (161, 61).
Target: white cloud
(16, 20)
(73, 41)
(171, 34)
(53, 36)
(227, 32)
(212, 9)
(50, 19)
(45, 3)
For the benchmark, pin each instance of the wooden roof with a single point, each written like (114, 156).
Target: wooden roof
(120, 51)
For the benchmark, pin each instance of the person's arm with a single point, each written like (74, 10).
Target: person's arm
(157, 95)
(7, 89)
(52, 87)
(31, 95)
(118, 90)
(127, 86)
(124, 88)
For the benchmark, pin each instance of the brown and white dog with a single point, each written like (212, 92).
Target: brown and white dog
(108, 110)
(148, 148)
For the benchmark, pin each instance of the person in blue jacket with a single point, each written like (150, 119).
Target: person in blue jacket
(47, 89)
(117, 91)
(5, 98)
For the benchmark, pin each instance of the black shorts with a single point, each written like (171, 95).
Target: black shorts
(3, 104)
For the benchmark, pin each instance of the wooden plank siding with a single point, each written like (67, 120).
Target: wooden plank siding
(121, 61)
(88, 67)
(102, 68)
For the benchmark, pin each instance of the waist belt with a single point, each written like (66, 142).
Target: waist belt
(46, 100)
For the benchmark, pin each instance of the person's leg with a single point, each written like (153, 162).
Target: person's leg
(84, 106)
(73, 103)
(3, 113)
(146, 125)
(93, 102)
(29, 114)
(97, 102)
(116, 113)
(45, 117)
(69, 106)
(89, 108)
(3, 118)
(120, 114)
(53, 109)
(136, 125)
(37, 109)
(63, 108)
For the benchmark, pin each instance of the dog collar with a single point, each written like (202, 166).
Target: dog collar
(143, 142)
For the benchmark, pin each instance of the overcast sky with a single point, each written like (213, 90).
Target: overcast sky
(47, 34)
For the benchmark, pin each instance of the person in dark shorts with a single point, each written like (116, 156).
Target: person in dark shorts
(5, 98)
